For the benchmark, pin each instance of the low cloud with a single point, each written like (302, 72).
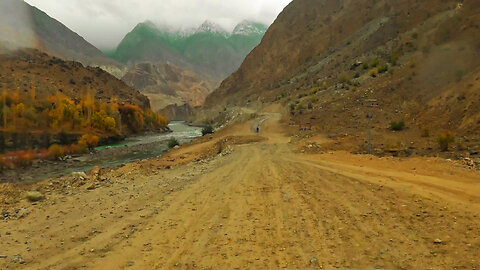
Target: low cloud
(104, 22)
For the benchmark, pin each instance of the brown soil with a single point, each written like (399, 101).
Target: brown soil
(256, 205)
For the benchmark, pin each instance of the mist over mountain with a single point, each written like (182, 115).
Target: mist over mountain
(206, 49)
(24, 26)
(201, 57)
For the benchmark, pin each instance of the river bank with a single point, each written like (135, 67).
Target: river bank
(107, 156)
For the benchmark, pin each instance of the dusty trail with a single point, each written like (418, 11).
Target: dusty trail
(262, 207)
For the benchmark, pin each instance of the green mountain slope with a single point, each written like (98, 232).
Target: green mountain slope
(208, 49)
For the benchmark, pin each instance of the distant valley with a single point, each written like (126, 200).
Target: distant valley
(208, 54)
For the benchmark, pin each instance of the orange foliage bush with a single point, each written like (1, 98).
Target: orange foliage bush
(23, 158)
(132, 117)
(89, 140)
(56, 151)
(80, 148)
(25, 112)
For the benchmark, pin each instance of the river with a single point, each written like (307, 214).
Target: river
(130, 150)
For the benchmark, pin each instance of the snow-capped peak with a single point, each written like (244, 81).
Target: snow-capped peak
(249, 28)
(211, 27)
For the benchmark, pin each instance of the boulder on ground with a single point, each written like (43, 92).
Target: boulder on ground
(34, 196)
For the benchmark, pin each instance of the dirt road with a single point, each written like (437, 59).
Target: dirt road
(260, 205)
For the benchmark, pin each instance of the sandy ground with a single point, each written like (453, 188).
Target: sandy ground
(258, 205)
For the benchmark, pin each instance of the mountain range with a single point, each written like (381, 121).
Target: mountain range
(201, 57)
(207, 49)
(204, 55)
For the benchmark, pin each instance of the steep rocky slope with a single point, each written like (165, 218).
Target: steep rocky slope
(31, 69)
(333, 62)
(24, 26)
(167, 84)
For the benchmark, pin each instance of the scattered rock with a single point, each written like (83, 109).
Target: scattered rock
(95, 173)
(22, 213)
(437, 241)
(91, 186)
(79, 176)
(3, 256)
(18, 259)
(313, 260)
(34, 196)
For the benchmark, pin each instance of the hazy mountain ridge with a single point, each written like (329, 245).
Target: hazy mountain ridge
(25, 26)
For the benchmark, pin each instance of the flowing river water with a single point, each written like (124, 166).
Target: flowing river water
(110, 156)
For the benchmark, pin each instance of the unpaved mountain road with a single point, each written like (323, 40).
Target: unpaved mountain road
(263, 206)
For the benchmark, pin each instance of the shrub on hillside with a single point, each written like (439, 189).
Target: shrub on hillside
(382, 68)
(425, 132)
(394, 58)
(207, 130)
(397, 125)
(444, 140)
(344, 79)
(172, 142)
(292, 107)
(375, 62)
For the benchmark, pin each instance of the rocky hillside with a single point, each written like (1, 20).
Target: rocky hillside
(166, 84)
(24, 26)
(28, 70)
(333, 62)
(208, 49)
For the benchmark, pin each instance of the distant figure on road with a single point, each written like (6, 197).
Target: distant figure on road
(258, 129)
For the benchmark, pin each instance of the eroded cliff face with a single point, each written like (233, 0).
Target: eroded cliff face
(166, 84)
(177, 112)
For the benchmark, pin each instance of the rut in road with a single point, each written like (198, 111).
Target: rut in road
(261, 210)
(261, 207)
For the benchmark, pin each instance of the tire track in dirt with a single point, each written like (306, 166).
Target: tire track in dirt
(261, 207)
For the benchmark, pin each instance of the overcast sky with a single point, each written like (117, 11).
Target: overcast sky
(105, 22)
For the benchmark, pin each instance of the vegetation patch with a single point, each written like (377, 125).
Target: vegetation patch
(172, 142)
(397, 125)
(207, 130)
(444, 140)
